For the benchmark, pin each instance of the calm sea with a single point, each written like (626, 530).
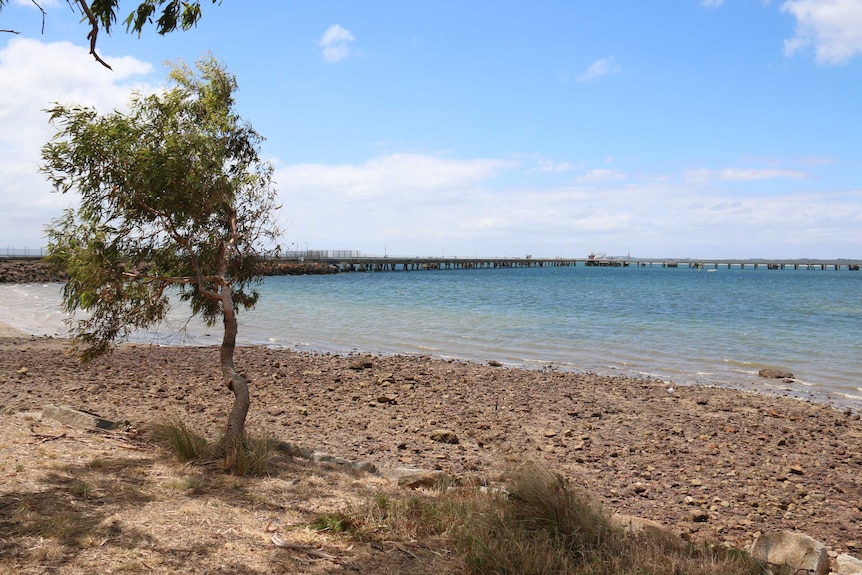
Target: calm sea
(680, 325)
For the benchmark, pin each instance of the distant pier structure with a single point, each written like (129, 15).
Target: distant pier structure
(354, 261)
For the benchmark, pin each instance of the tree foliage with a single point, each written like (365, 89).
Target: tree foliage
(173, 195)
(101, 15)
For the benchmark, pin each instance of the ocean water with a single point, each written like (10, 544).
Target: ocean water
(680, 325)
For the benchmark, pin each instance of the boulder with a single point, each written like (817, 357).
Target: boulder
(76, 418)
(797, 551)
(770, 373)
(847, 565)
(638, 525)
(413, 478)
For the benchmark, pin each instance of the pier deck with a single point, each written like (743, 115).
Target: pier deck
(398, 263)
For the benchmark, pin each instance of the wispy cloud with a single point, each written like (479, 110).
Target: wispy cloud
(737, 174)
(336, 43)
(600, 68)
(602, 175)
(704, 176)
(832, 27)
(711, 3)
(548, 166)
(411, 175)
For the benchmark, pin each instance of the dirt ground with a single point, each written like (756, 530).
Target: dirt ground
(712, 464)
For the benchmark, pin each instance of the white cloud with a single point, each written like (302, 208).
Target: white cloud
(417, 204)
(704, 176)
(711, 3)
(736, 174)
(602, 175)
(600, 68)
(548, 166)
(400, 174)
(832, 27)
(336, 43)
(33, 75)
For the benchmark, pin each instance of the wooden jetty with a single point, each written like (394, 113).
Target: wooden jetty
(356, 262)
(347, 261)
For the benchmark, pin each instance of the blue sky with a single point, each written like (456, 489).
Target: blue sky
(685, 128)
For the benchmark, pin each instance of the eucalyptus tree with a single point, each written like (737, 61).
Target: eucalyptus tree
(101, 15)
(174, 197)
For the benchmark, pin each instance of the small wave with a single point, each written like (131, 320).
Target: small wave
(805, 383)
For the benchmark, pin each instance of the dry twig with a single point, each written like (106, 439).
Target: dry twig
(311, 552)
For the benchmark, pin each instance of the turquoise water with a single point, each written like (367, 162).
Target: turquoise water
(680, 325)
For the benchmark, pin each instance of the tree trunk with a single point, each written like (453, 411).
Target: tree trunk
(235, 434)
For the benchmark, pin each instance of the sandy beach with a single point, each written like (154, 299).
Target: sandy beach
(711, 463)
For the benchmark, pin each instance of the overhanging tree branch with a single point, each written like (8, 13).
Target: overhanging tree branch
(94, 32)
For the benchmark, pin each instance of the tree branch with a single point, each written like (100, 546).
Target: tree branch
(172, 279)
(94, 32)
(42, 10)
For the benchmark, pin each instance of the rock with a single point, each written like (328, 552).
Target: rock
(847, 565)
(795, 550)
(320, 457)
(637, 525)
(76, 418)
(388, 399)
(414, 478)
(698, 516)
(18, 271)
(494, 363)
(770, 373)
(365, 466)
(359, 363)
(444, 436)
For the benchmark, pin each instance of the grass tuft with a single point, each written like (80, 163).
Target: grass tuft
(542, 525)
(174, 436)
(253, 457)
(333, 523)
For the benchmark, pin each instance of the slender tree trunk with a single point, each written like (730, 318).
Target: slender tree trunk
(235, 433)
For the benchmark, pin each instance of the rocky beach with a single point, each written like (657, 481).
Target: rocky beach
(709, 463)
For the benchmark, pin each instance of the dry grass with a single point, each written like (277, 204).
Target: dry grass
(76, 503)
(253, 457)
(545, 525)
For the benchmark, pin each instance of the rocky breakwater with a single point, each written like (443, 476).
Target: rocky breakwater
(26, 271)
(297, 268)
(32, 271)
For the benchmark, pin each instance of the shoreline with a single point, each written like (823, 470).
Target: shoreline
(823, 374)
(767, 387)
(712, 463)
